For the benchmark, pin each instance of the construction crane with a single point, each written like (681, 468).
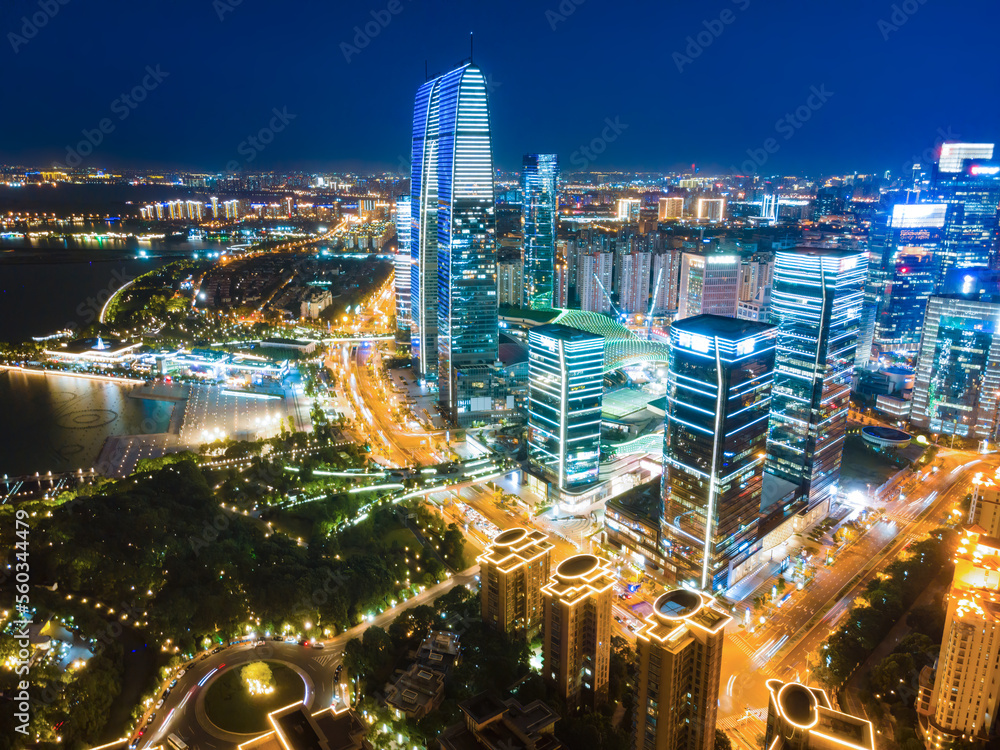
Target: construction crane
(614, 307)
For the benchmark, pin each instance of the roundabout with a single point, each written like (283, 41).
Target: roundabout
(231, 705)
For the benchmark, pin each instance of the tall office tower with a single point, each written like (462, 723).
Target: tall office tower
(402, 263)
(709, 285)
(831, 201)
(958, 366)
(719, 383)
(565, 390)
(560, 289)
(510, 282)
(970, 228)
(454, 293)
(633, 282)
(628, 209)
(215, 206)
(513, 570)
(671, 207)
(802, 718)
(901, 315)
(816, 303)
(576, 637)
(953, 154)
(711, 209)
(679, 660)
(539, 176)
(962, 704)
(594, 279)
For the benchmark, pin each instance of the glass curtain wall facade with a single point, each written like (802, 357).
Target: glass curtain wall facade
(816, 304)
(719, 382)
(901, 315)
(539, 176)
(565, 388)
(402, 263)
(454, 229)
(970, 229)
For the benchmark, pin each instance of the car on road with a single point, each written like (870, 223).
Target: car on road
(319, 644)
(152, 716)
(159, 703)
(174, 681)
(217, 650)
(336, 674)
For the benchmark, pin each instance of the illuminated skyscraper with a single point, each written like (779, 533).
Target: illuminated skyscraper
(970, 228)
(801, 718)
(565, 387)
(576, 636)
(454, 293)
(510, 283)
(962, 700)
(816, 304)
(711, 209)
(715, 435)
(539, 177)
(513, 570)
(679, 659)
(709, 285)
(402, 263)
(670, 208)
(628, 209)
(633, 282)
(953, 154)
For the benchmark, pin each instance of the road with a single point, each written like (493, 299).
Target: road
(182, 714)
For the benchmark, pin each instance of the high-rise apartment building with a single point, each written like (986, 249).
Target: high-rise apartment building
(679, 665)
(671, 207)
(560, 289)
(816, 304)
(711, 209)
(958, 366)
(628, 209)
(539, 176)
(513, 570)
(802, 718)
(510, 283)
(454, 294)
(633, 282)
(961, 702)
(666, 282)
(719, 383)
(755, 274)
(594, 281)
(565, 388)
(402, 263)
(576, 636)
(709, 285)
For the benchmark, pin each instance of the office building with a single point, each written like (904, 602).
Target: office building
(512, 571)
(802, 718)
(595, 273)
(671, 207)
(958, 367)
(539, 176)
(755, 274)
(759, 308)
(959, 700)
(709, 285)
(679, 665)
(576, 635)
(719, 381)
(510, 283)
(816, 304)
(402, 263)
(565, 387)
(900, 316)
(970, 228)
(633, 282)
(711, 209)
(454, 293)
(628, 209)
(954, 154)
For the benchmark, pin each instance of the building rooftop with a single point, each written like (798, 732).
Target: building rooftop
(515, 547)
(295, 729)
(502, 725)
(564, 333)
(578, 577)
(676, 612)
(719, 325)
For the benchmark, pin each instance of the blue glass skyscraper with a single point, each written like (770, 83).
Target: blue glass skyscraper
(539, 174)
(453, 294)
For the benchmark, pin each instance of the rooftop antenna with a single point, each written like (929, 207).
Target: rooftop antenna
(471, 47)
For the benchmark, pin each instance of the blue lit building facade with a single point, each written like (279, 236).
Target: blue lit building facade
(565, 389)
(539, 176)
(816, 303)
(719, 384)
(402, 263)
(453, 294)
(970, 229)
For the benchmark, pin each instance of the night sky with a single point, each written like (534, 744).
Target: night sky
(894, 77)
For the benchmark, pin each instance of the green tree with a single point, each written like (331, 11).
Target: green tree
(893, 671)
(722, 741)
(257, 676)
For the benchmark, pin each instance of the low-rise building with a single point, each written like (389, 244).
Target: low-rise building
(494, 724)
(416, 692)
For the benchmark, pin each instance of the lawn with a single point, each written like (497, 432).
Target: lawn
(232, 709)
(861, 466)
